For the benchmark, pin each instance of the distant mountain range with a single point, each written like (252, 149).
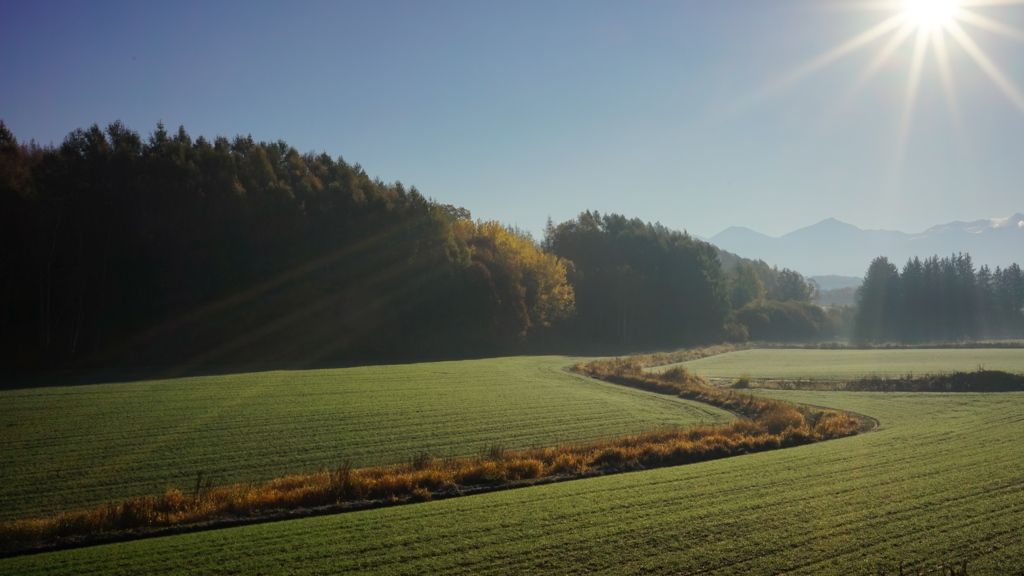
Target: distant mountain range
(831, 247)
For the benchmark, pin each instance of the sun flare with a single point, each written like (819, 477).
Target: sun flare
(929, 13)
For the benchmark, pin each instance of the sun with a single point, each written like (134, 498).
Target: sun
(929, 13)
(915, 30)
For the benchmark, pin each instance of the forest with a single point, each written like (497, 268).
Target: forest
(122, 250)
(119, 249)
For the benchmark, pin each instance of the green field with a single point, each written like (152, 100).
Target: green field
(64, 447)
(794, 364)
(939, 480)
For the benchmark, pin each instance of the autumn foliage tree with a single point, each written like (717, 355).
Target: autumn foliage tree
(526, 289)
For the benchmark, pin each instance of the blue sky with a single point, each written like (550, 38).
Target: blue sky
(677, 112)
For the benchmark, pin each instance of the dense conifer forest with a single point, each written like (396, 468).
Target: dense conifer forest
(119, 249)
(122, 250)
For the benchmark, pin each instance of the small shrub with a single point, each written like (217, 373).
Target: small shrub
(433, 479)
(481, 473)
(779, 418)
(524, 469)
(610, 457)
(567, 464)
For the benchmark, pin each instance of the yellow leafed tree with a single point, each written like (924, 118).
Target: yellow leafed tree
(529, 288)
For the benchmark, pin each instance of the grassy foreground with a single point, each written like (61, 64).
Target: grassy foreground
(796, 364)
(766, 424)
(939, 480)
(69, 447)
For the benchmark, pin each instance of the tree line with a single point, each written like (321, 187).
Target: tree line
(939, 299)
(119, 249)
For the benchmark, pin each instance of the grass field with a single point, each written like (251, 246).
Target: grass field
(65, 447)
(939, 480)
(796, 364)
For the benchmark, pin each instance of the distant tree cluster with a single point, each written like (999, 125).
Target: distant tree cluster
(752, 281)
(777, 305)
(791, 321)
(171, 250)
(781, 285)
(939, 299)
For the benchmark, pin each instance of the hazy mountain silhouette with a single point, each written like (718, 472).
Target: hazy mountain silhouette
(834, 247)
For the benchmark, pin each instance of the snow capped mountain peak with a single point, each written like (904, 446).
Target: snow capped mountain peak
(834, 247)
(978, 226)
(1015, 221)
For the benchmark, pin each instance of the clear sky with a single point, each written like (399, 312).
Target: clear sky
(699, 114)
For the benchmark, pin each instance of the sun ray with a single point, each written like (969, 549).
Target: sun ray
(988, 24)
(983, 61)
(946, 74)
(884, 55)
(851, 45)
(914, 83)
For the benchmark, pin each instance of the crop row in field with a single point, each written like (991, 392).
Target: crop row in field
(69, 447)
(938, 481)
(794, 364)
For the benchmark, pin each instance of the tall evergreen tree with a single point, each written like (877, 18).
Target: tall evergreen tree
(878, 301)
